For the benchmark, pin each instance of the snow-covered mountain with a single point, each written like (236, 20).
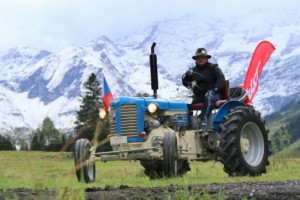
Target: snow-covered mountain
(37, 83)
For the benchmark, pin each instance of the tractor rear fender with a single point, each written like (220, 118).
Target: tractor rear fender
(223, 111)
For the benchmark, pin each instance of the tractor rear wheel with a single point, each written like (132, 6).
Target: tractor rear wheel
(84, 171)
(244, 142)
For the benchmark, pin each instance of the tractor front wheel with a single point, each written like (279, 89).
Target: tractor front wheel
(170, 166)
(170, 154)
(84, 171)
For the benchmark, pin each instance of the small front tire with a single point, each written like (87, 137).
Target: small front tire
(170, 166)
(170, 155)
(84, 172)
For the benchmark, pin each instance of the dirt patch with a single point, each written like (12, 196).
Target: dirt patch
(245, 190)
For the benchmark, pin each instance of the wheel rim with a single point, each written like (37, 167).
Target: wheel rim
(90, 167)
(90, 171)
(175, 163)
(252, 144)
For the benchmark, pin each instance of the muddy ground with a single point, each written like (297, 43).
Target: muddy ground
(246, 190)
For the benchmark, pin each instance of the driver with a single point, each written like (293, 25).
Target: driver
(206, 81)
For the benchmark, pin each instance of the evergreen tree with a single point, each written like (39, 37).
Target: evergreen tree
(282, 139)
(88, 122)
(87, 116)
(35, 143)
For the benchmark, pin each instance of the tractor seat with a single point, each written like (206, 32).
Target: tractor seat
(218, 104)
(199, 106)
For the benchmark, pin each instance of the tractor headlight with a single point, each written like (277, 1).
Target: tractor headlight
(102, 113)
(152, 108)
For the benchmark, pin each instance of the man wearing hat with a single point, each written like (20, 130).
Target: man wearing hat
(206, 81)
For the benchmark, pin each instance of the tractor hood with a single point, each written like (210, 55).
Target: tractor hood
(163, 104)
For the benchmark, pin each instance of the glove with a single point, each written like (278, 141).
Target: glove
(189, 72)
(192, 84)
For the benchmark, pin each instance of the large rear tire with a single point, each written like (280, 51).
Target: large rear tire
(244, 143)
(84, 172)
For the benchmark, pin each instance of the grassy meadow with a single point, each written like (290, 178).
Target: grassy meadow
(40, 170)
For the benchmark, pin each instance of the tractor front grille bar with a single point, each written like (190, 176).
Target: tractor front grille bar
(128, 121)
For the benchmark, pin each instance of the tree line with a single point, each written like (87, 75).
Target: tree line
(45, 138)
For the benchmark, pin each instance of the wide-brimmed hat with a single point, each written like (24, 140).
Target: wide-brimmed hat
(201, 52)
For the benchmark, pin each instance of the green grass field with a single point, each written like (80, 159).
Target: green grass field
(40, 170)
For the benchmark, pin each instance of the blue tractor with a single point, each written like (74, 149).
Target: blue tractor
(165, 137)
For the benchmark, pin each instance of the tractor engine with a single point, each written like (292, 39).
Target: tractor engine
(133, 118)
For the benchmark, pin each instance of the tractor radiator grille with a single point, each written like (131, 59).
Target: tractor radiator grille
(128, 121)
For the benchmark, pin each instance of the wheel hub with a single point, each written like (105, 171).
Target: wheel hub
(244, 145)
(252, 144)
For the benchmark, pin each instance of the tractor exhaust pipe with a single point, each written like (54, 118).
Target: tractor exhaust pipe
(153, 71)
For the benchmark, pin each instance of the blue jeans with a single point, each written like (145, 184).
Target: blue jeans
(209, 102)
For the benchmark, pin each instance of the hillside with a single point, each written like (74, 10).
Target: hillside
(293, 150)
(287, 119)
(288, 116)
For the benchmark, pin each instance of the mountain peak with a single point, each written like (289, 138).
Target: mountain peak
(52, 83)
(23, 52)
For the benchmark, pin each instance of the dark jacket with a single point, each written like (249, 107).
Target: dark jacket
(208, 77)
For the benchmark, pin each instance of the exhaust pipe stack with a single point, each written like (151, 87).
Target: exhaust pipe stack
(153, 71)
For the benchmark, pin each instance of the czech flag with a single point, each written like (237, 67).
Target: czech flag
(106, 94)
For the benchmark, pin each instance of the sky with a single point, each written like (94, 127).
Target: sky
(56, 24)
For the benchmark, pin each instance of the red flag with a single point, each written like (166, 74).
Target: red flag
(106, 94)
(260, 56)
